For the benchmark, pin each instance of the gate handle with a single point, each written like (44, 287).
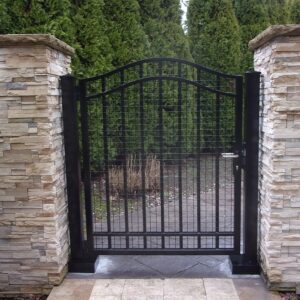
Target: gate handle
(229, 155)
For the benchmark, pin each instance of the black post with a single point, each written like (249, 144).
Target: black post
(247, 263)
(78, 261)
(72, 164)
(251, 166)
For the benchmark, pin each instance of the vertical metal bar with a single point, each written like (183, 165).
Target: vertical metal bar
(142, 130)
(161, 152)
(86, 165)
(217, 162)
(106, 168)
(124, 154)
(198, 149)
(251, 167)
(72, 160)
(179, 149)
(237, 162)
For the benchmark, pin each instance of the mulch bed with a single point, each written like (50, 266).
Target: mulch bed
(44, 297)
(289, 296)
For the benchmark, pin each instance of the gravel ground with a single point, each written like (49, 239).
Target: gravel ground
(172, 208)
(290, 296)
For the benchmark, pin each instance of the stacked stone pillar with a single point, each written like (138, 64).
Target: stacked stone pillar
(34, 244)
(277, 57)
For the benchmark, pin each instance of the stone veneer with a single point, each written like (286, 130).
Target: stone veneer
(277, 57)
(34, 243)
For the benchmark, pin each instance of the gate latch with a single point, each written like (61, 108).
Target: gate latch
(229, 155)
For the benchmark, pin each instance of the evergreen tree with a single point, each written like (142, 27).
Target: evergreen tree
(93, 57)
(278, 11)
(5, 23)
(295, 12)
(253, 18)
(93, 50)
(215, 42)
(214, 34)
(161, 20)
(34, 16)
(79, 23)
(124, 30)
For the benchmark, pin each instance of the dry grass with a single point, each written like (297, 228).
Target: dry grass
(134, 176)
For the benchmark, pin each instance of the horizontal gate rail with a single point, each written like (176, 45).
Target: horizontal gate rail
(204, 251)
(153, 78)
(133, 233)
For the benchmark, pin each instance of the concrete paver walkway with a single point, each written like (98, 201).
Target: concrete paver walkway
(163, 289)
(171, 277)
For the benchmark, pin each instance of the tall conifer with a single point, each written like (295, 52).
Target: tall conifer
(278, 11)
(215, 42)
(253, 18)
(93, 50)
(295, 12)
(5, 23)
(214, 34)
(162, 23)
(124, 30)
(34, 16)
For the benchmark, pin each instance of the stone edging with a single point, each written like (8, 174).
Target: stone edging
(272, 32)
(36, 39)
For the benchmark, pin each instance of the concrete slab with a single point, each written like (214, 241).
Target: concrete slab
(168, 266)
(121, 266)
(219, 288)
(208, 267)
(161, 266)
(188, 288)
(73, 289)
(196, 271)
(108, 287)
(143, 289)
(97, 297)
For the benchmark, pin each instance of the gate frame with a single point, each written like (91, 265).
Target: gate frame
(82, 258)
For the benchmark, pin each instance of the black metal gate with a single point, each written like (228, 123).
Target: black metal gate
(159, 163)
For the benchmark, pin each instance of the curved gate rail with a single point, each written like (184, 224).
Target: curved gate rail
(161, 156)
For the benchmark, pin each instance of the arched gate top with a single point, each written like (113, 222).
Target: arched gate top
(161, 68)
(162, 59)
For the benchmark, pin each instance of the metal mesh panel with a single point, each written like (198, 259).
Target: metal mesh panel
(158, 179)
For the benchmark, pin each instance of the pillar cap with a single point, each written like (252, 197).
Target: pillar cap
(36, 39)
(273, 32)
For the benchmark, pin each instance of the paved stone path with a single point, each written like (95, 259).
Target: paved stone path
(162, 289)
(171, 277)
